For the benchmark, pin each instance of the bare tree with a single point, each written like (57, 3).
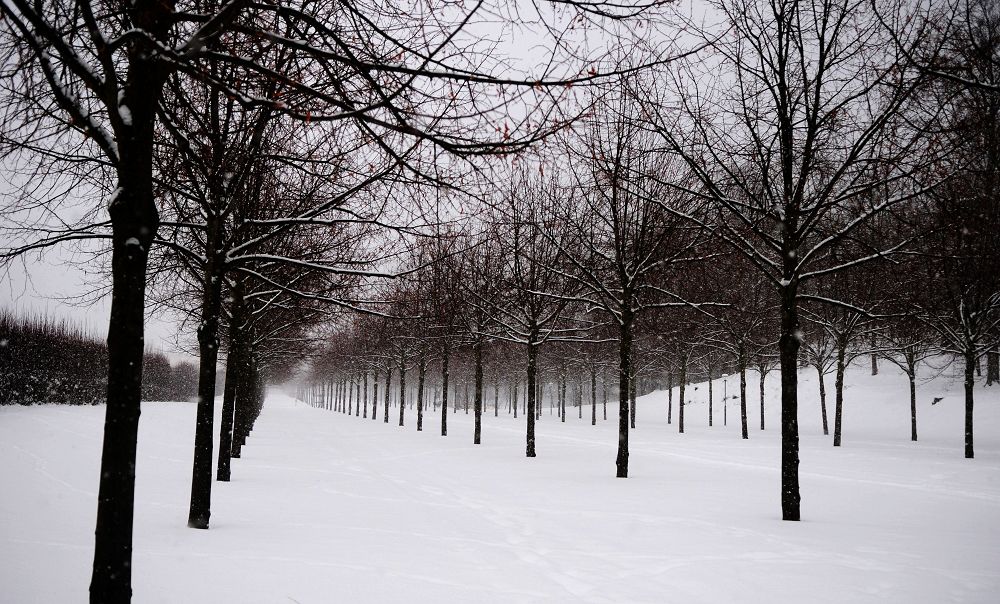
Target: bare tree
(482, 265)
(628, 237)
(531, 310)
(905, 343)
(790, 124)
(960, 255)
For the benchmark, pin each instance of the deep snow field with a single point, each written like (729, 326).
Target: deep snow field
(329, 508)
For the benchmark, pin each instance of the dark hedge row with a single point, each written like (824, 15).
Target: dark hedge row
(44, 360)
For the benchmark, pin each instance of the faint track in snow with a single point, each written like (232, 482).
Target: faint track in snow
(40, 465)
(713, 459)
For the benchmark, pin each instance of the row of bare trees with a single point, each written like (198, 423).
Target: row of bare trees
(812, 182)
(685, 190)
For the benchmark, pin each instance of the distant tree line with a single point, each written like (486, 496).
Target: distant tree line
(823, 187)
(47, 360)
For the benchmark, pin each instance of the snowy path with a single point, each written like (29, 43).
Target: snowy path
(329, 508)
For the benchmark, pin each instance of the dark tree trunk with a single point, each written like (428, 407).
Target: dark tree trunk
(258, 397)
(562, 395)
(743, 397)
(680, 395)
(260, 390)
(624, 372)
(631, 401)
(874, 343)
(233, 378)
(357, 405)
(374, 394)
(822, 399)
(538, 399)
(478, 403)
(364, 399)
(496, 398)
(445, 358)
(762, 376)
(134, 222)
(604, 397)
(514, 388)
(243, 407)
(208, 351)
(670, 398)
(970, 382)
(241, 391)
(254, 401)
(245, 396)
(402, 386)
(134, 219)
(593, 395)
(224, 471)
(349, 384)
(911, 374)
(709, 396)
(838, 412)
(532, 377)
(388, 393)
(788, 347)
(421, 376)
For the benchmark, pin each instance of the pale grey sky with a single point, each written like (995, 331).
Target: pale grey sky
(41, 286)
(33, 285)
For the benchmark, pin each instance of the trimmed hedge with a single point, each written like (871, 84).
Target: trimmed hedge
(45, 360)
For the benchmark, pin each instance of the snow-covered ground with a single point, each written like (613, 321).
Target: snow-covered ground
(329, 508)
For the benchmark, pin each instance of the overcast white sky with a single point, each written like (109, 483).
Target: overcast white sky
(41, 286)
(33, 286)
